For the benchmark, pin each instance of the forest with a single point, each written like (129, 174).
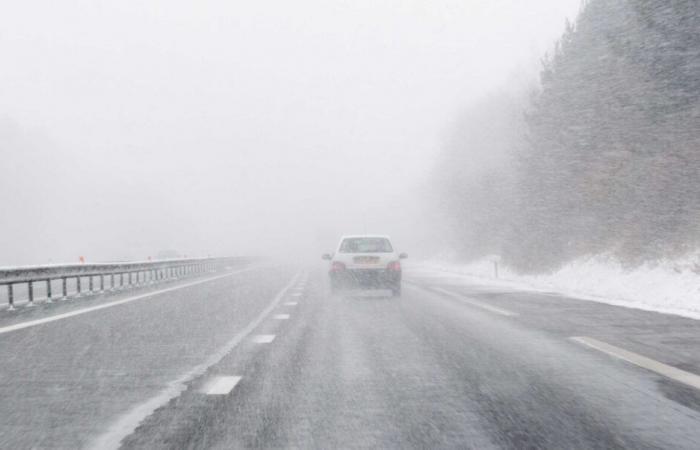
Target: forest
(600, 155)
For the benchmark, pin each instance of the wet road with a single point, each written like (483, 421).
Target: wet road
(268, 358)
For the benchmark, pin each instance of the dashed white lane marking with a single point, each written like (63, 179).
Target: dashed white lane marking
(77, 312)
(281, 316)
(296, 294)
(493, 309)
(641, 361)
(220, 385)
(263, 338)
(127, 423)
(291, 303)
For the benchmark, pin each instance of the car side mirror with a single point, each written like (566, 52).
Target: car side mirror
(326, 257)
(403, 256)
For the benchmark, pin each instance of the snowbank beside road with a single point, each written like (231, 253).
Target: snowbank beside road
(671, 287)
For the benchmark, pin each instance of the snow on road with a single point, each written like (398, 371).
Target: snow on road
(670, 287)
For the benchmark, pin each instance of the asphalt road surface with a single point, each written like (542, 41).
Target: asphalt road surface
(266, 357)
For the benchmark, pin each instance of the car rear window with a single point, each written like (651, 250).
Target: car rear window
(365, 245)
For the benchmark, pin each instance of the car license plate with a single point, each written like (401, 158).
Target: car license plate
(366, 260)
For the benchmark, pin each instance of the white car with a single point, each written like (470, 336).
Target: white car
(366, 261)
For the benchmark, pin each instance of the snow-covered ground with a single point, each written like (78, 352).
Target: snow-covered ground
(671, 287)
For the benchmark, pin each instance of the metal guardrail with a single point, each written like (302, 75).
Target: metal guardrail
(119, 275)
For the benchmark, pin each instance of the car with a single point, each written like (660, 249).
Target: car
(365, 261)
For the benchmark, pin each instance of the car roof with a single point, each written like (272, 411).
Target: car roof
(353, 236)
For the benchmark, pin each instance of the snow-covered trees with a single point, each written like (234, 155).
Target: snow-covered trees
(611, 152)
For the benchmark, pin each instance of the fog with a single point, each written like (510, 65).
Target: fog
(227, 128)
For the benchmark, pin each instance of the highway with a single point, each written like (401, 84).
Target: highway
(264, 356)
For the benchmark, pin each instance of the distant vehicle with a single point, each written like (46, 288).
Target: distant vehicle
(366, 261)
(168, 254)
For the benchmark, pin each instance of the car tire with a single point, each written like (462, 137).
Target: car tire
(396, 291)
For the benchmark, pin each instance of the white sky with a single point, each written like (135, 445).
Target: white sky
(223, 126)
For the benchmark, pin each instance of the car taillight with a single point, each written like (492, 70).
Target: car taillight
(337, 266)
(394, 266)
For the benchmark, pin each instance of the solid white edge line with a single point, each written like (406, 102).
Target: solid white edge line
(501, 311)
(221, 385)
(263, 338)
(128, 422)
(33, 323)
(671, 372)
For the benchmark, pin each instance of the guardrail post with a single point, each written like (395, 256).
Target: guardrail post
(64, 288)
(111, 281)
(90, 289)
(10, 297)
(78, 286)
(121, 281)
(48, 291)
(30, 292)
(102, 283)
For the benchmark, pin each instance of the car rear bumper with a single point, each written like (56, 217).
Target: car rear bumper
(366, 278)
